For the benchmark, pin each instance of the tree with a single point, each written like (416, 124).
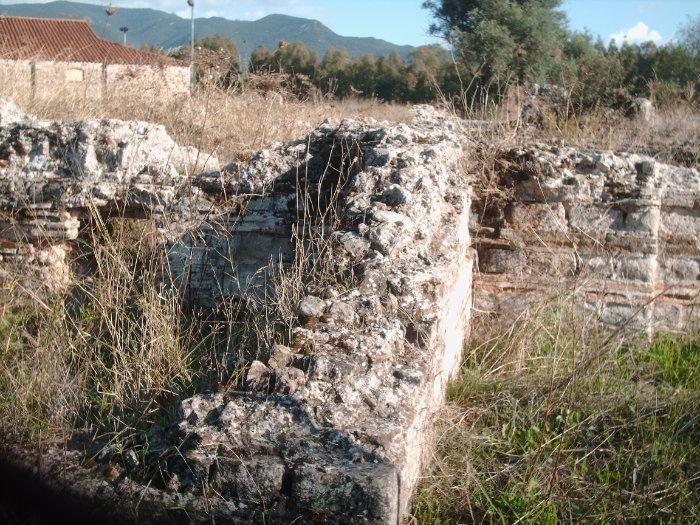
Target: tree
(218, 44)
(216, 59)
(391, 77)
(424, 72)
(591, 72)
(501, 39)
(333, 76)
(362, 73)
(689, 36)
(296, 59)
(261, 60)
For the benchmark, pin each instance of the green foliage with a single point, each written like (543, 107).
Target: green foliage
(260, 60)
(554, 423)
(218, 44)
(502, 42)
(690, 36)
(389, 78)
(498, 43)
(495, 39)
(677, 364)
(295, 58)
(216, 57)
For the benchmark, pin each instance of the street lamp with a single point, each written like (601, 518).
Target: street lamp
(110, 11)
(191, 4)
(124, 30)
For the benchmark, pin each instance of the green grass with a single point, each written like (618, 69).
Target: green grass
(555, 423)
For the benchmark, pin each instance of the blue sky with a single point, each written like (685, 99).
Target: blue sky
(405, 22)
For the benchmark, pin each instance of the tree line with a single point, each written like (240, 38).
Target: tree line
(492, 45)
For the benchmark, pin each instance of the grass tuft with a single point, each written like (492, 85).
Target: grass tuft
(620, 442)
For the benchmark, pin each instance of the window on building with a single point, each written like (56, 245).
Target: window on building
(75, 75)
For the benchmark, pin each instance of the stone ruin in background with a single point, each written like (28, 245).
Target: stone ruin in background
(342, 428)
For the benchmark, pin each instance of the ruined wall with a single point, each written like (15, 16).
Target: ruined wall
(341, 429)
(160, 81)
(361, 380)
(54, 175)
(621, 231)
(335, 427)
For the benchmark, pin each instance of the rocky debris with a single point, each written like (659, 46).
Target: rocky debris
(10, 113)
(622, 229)
(643, 108)
(268, 458)
(342, 312)
(634, 107)
(280, 356)
(543, 104)
(258, 376)
(65, 166)
(312, 307)
(288, 380)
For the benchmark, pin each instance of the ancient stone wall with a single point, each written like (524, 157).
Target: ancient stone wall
(377, 357)
(621, 231)
(55, 175)
(335, 427)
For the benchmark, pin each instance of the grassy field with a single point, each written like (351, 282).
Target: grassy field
(552, 422)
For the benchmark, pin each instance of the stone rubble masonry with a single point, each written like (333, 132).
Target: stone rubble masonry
(53, 175)
(335, 428)
(344, 437)
(345, 432)
(620, 229)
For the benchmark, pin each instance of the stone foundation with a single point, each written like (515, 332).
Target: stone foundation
(620, 231)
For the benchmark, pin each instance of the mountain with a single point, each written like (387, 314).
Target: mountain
(153, 27)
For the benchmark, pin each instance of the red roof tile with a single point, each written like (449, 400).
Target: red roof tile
(68, 41)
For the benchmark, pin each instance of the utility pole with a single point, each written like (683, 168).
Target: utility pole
(124, 30)
(192, 76)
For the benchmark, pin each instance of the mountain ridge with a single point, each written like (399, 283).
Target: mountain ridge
(154, 27)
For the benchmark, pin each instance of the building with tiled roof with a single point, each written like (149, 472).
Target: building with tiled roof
(68, 40)
(48, 51)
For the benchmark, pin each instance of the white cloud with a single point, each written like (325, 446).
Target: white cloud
(637, 34)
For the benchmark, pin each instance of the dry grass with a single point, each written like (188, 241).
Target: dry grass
(671, 136)
(229, 124)
(108, 356)
(116, 352)
(618, 442)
